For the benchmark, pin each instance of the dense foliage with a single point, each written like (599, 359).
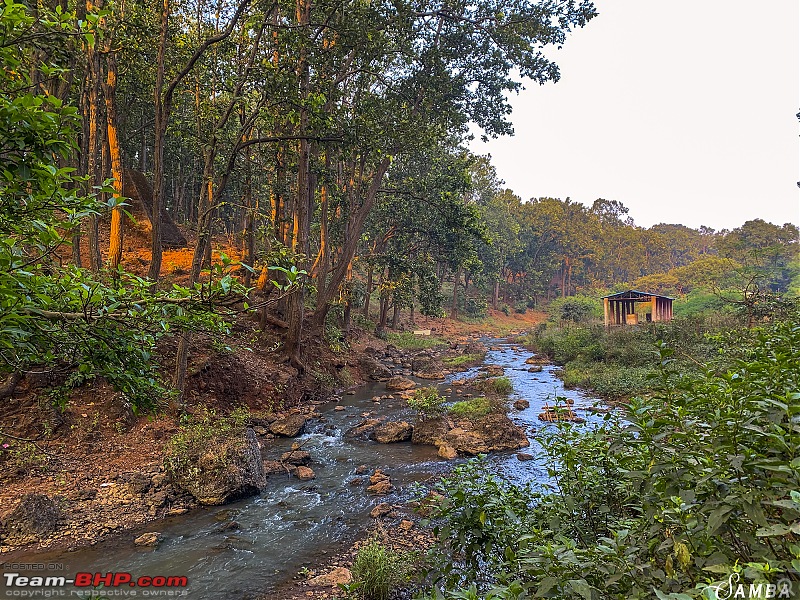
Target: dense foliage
(59, 319)
(692, 487)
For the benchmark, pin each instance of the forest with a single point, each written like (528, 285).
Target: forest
(186, 177)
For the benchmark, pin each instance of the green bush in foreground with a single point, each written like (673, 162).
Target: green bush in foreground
(378, 570)
(684, 490)
(428, 403)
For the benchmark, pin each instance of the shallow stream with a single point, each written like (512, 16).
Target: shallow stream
(294, 523)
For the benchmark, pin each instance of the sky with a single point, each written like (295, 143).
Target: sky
(683, 110)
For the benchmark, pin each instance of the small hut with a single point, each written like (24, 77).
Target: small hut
(623, 308)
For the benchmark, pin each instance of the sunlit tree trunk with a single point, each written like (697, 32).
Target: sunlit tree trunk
(117, 215)
(94, 142)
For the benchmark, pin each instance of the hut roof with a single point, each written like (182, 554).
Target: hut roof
(636, 295)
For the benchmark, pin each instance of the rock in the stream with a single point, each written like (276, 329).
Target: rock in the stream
(289, 426)
(374, 370)
(339, 576)
(400, 383)
(35, 518)
(150, 539)
(537, 359)
(276, 467)
(535, 369)
(433, 375)
(431, 431)
(494, 432)
(363, 428)
(521, 404)
(524, 456)
(475, 348)
(380, 482)
(393, 431)
(446, 451)
(304, 474)
(223, 470)
(382, 509)
(296, 457)
(494, 370)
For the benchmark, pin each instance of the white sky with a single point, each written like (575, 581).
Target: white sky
(684, 110)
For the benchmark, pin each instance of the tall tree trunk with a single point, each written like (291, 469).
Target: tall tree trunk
(352, 237)
(117, 216)
(395, 314)
(368, 294)
(161, 120)
(302, 204)
(454, 304)
(94, 144)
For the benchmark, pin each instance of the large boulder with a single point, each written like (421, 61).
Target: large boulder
(494, 370)
(289, 426)
(475, 348)
(374, 370)
(35, 518)
(363, 428)
(400, 383)
(492, 433)
(221, 471)
(431, 431)
(296, 458)
(393, 431)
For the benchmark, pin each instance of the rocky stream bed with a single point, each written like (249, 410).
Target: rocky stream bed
(354, 461)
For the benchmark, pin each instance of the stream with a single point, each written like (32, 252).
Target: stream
(294, 523)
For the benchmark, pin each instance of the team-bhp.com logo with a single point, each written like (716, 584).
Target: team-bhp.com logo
(92, 580)
(731, 589)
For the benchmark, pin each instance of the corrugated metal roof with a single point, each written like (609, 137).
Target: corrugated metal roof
(639, 292)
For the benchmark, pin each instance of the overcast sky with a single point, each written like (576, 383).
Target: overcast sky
(684, 110)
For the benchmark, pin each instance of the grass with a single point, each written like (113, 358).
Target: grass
(408, 341)
(379, 570)
(474, 408)
(464, 359)
(496, 386)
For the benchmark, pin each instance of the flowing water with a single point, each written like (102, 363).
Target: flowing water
(293, 523)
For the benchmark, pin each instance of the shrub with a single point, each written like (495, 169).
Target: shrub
(427, 402)
(378, 571)
(683, 490)
(575, 309)
(198, 432)
(501, 386)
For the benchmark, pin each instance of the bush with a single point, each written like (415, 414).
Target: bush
(197, 433)
(427, 402)
(575, 309)
(680, 492)
(378, 571)
(475, 308)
